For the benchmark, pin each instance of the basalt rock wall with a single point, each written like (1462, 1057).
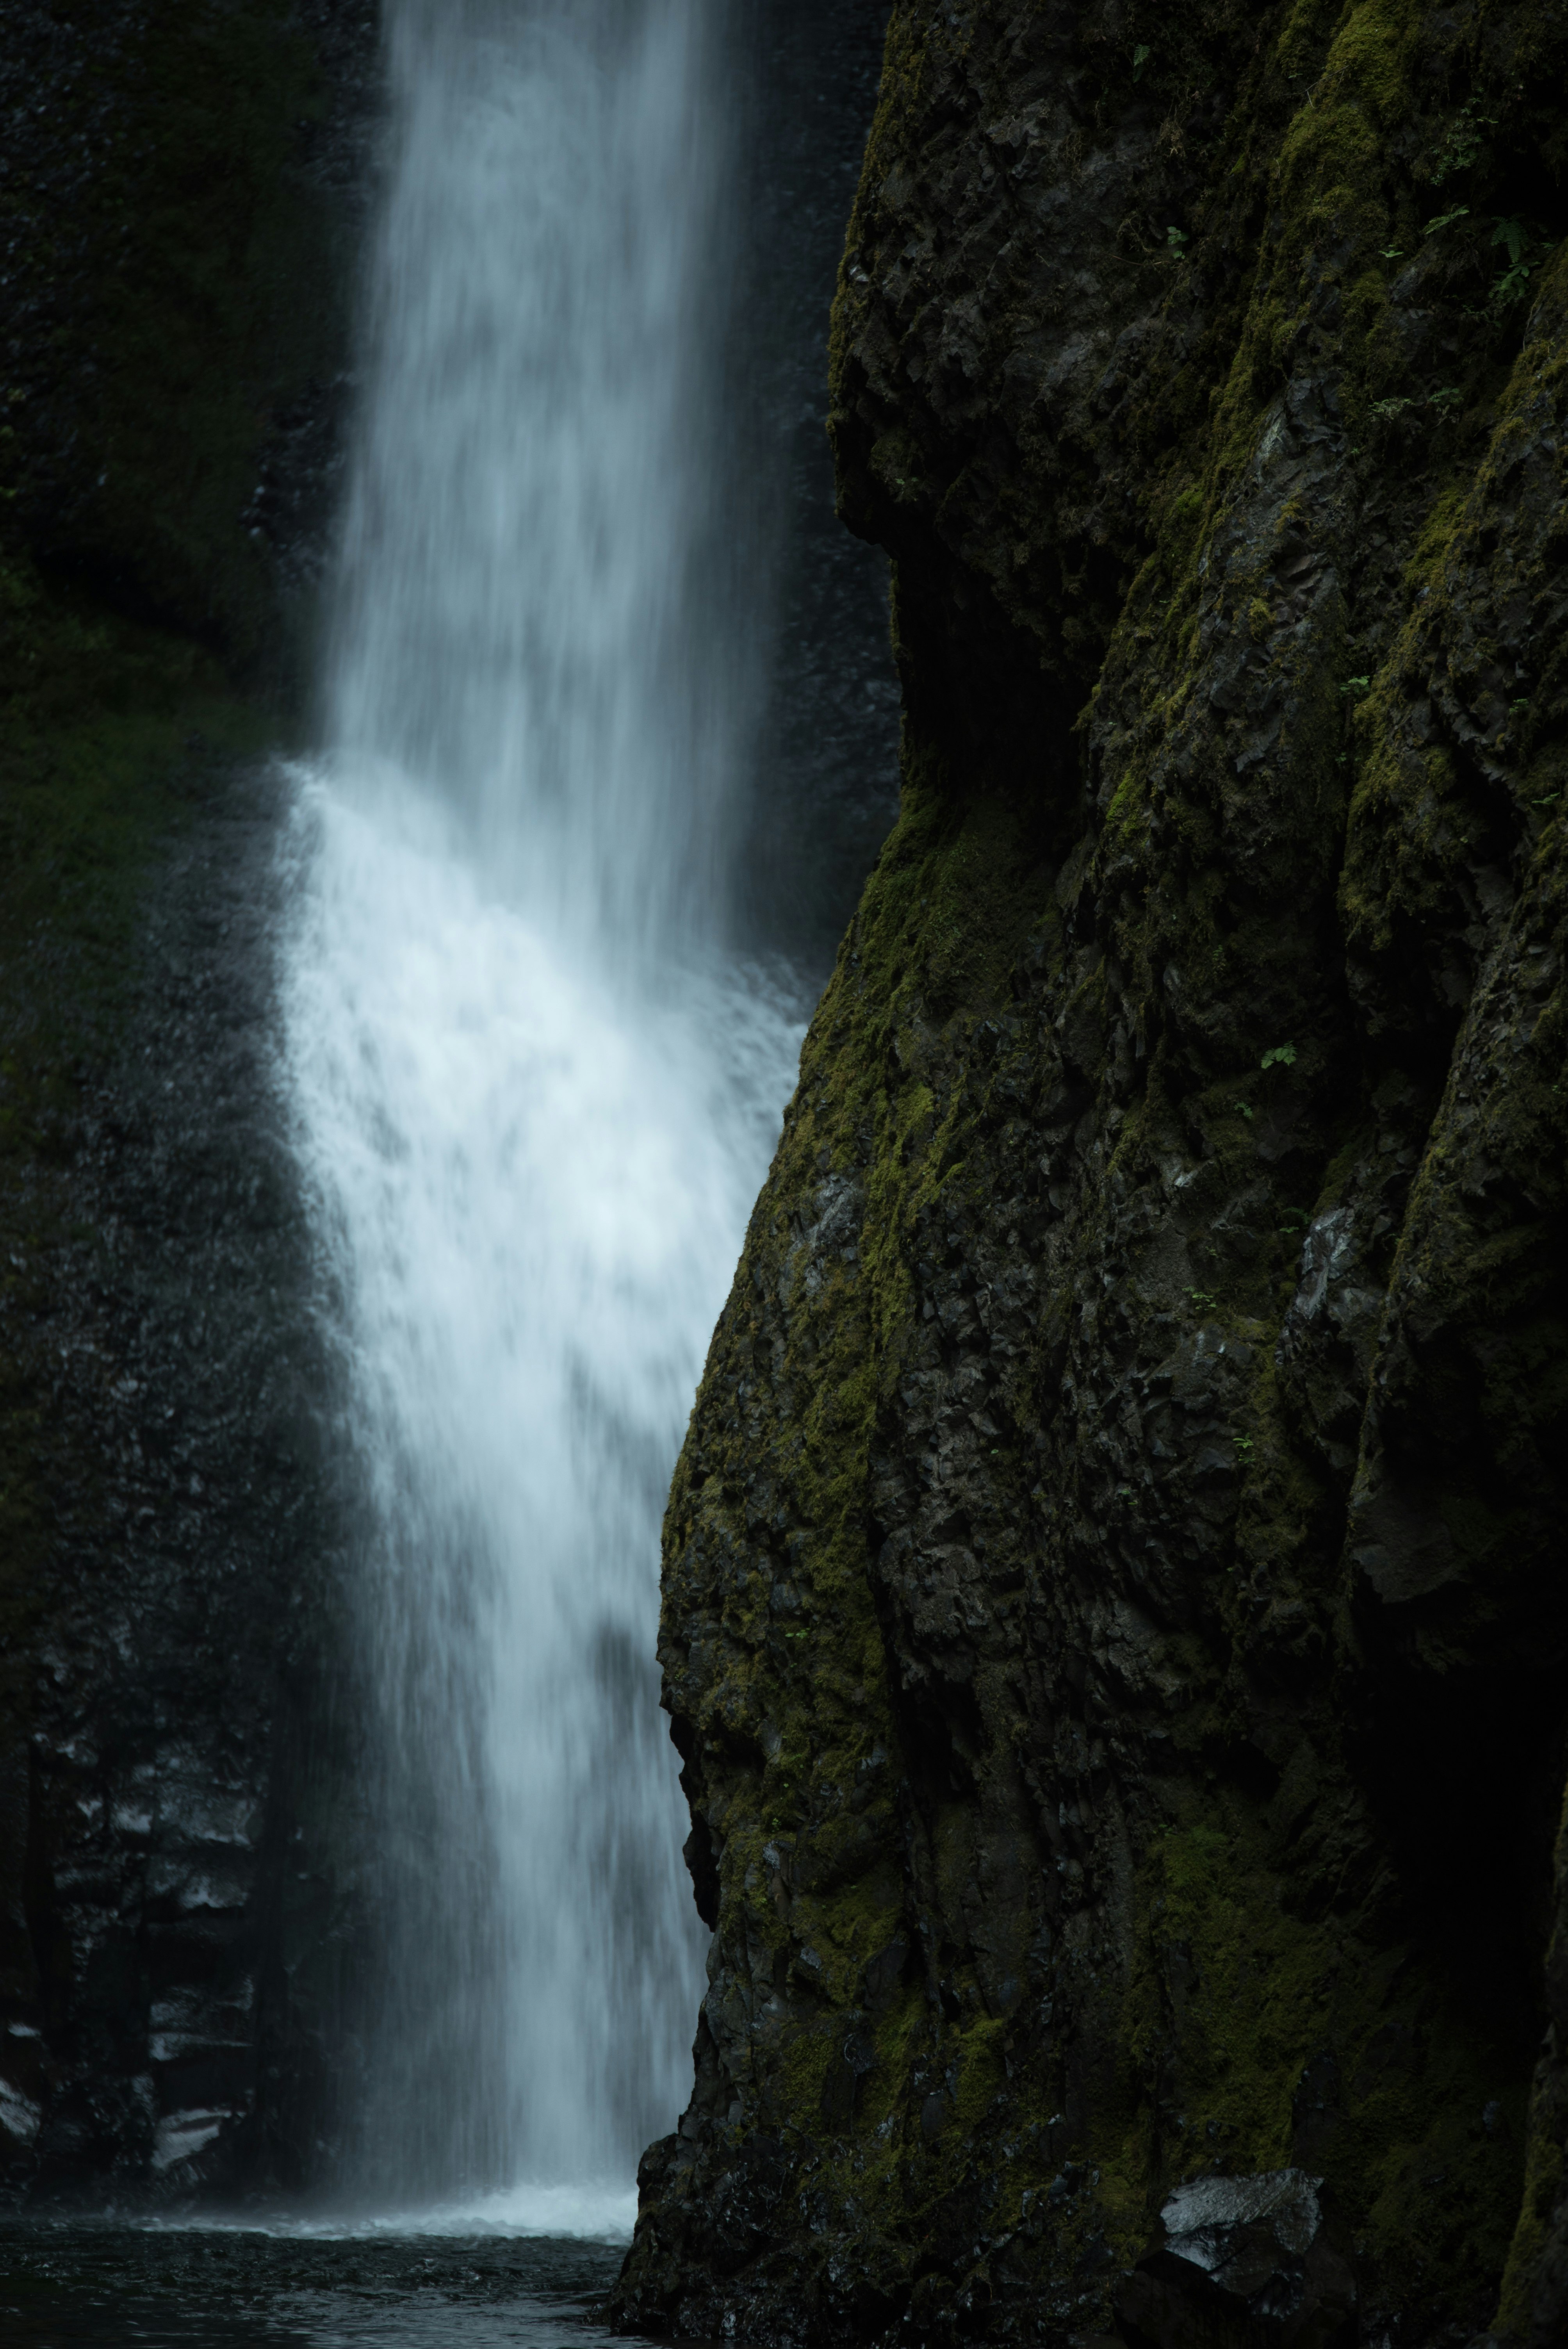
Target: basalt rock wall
(181, 189)
(1114, 1619)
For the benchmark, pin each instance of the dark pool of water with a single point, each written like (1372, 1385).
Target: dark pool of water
(97, 2286)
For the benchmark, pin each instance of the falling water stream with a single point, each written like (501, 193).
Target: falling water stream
(535, 1089)
(571, 743)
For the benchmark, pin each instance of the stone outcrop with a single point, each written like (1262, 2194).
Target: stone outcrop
(1113, 1617)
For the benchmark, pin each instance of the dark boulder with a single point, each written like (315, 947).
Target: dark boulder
(1246, 2263)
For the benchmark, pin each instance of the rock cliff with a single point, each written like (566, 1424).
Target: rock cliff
(1114, 1622)
(178, 191)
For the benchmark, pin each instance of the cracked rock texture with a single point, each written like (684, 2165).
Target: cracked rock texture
(1114, 1620)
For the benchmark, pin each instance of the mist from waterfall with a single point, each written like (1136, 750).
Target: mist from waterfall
(535, 1092)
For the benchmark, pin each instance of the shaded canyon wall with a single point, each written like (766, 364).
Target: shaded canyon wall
(1114, 1622)
(180, 190)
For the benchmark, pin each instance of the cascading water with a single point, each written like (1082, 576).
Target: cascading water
(535, 1095)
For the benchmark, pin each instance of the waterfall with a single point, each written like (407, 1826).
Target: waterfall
(534, 1089)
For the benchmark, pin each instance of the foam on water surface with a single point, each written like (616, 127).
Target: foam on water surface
(605, 2213)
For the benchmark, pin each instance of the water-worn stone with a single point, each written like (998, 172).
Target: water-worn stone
(1114, 1563)
(1244, 2260)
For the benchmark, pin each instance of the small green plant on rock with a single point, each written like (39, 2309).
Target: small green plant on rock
(1281, 1056)
(1515, 241)
(1462, 141)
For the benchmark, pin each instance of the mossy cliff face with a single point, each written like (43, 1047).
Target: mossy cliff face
(1114, 1619)
(176, 211)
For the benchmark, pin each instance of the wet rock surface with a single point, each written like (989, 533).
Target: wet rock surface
(177, 1925)
(825, 786)
(1114, 1564)
(1244, 2260)
(180, 192)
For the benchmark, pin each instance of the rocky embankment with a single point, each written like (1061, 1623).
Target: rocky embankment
(178, 197)
(1113, 1605)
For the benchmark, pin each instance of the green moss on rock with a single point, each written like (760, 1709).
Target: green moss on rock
(1113, 1567)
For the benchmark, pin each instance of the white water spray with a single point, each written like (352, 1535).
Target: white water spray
(535, 1102)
